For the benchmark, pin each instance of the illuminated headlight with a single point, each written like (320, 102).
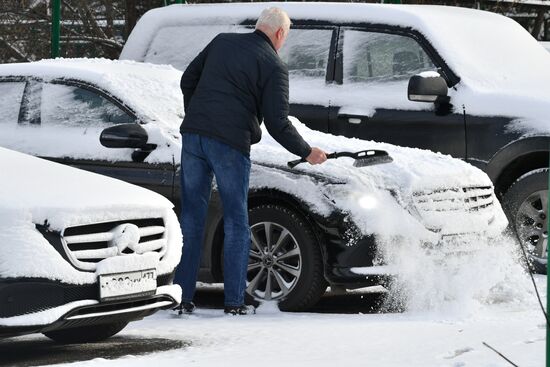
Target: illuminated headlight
(368, 202)
(364, 201)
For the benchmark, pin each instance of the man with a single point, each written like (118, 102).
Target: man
(232, 84)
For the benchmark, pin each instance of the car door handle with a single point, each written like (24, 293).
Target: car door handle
(353, 119)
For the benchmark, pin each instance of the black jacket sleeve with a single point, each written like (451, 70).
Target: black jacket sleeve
(191, 77)
(275, 110)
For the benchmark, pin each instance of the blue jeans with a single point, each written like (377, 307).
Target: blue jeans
(201, 158)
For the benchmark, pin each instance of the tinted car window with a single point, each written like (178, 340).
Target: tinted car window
(179, 45)
(371, 57)
(306, 52)
(11, 94)
(69, 105)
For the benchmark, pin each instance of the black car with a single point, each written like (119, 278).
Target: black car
(350, 67)
(311, 226)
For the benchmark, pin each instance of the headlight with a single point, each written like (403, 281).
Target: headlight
(368, 202)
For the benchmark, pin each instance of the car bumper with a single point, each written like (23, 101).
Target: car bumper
(353, 266)
(88, 311)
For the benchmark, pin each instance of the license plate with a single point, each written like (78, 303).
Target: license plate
(127, 285)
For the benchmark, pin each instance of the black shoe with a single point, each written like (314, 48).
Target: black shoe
(239, 310)
(185, 307)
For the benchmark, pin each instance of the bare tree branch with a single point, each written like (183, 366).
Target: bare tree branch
(107, 42)
(15, 50)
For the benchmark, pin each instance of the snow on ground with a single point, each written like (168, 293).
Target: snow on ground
(450, 314)
(272, 338)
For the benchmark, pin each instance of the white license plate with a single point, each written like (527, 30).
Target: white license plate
(127, 285)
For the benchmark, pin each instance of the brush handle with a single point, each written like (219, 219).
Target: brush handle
(296, 162)
(293, 164)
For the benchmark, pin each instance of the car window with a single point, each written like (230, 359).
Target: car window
(179, 45)
(306, 53)
(11, 94)
(74, 106)
(379, 57)
(62, 121)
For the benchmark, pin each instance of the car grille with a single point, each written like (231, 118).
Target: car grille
(455, 199)
(89, 244)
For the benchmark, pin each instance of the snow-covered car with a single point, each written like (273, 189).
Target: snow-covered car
(311, 225)
(82, 254)
(354, 71)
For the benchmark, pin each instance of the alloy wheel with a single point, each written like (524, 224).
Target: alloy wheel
(275, 262)
(532, 225)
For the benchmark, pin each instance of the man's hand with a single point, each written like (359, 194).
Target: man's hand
(317, 156)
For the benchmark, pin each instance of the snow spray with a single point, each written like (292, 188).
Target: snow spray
(455, 279)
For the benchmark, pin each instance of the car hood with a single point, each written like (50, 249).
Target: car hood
(412, 169)
(416, 194)
(61, 196)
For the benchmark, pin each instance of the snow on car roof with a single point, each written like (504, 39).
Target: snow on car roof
(467, 39)
(139, 86)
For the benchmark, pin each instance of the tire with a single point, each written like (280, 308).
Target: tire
(86, 334)
(525, 203)
(292, 259)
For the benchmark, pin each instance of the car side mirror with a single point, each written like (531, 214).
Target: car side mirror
(124, 136)
(427, 87)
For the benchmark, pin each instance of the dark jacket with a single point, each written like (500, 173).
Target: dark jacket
(237, 80)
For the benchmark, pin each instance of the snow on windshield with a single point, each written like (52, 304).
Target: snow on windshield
(185, 43)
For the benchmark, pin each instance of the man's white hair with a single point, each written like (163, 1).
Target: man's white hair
(273, 18)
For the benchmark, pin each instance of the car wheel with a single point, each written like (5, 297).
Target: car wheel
(526, 205)
(86, 334)
(285, 262)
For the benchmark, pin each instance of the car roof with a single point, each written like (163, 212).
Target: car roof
(134, 84)
(464, 38)
(412, 16)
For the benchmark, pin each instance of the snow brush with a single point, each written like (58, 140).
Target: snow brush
(362, 159)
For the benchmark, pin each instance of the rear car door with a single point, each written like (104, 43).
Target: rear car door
(62, 121)
(374, 67)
